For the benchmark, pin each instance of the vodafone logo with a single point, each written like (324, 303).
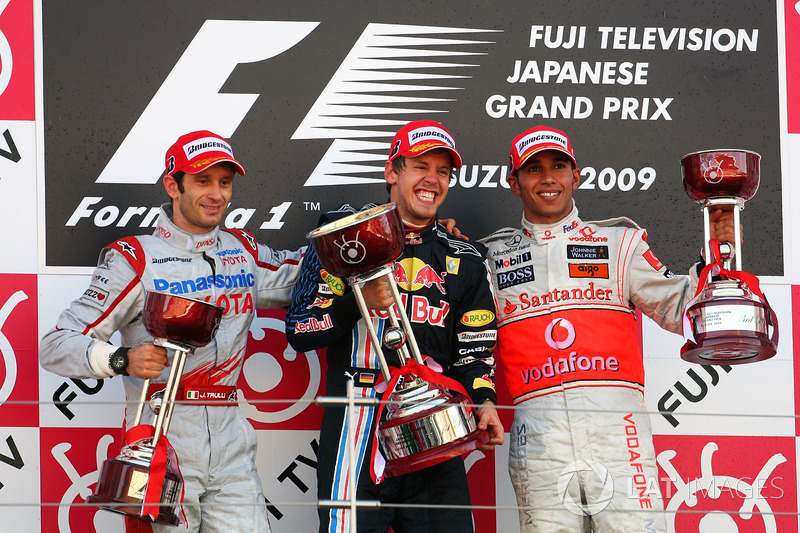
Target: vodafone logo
(559, 334)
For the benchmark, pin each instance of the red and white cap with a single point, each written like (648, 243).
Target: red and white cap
(194, 152)
(420, 136)
(535, 140)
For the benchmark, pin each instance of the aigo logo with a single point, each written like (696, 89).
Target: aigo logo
(728, 484)
(277, 385)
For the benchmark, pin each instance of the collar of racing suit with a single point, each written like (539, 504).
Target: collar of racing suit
(543, 233)
(181, 239)
(423, 231)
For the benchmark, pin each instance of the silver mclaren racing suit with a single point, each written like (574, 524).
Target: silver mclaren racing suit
(581, 453)
(215, 444)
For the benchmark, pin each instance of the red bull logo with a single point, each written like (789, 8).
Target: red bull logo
(412, 274)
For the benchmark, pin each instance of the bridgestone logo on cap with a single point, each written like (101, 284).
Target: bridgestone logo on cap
(426, 134)
(208, 144)
(541, 137)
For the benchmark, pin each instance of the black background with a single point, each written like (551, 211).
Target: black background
(104, 61)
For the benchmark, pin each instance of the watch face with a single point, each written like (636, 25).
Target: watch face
(118, 362)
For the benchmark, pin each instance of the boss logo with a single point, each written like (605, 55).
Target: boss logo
(515, 277)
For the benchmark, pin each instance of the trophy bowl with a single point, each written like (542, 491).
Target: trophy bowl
(715, 173)
(180, 319)
(426, 424)
(361, 242)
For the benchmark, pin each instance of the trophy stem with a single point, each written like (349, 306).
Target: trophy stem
(171, 386)
(737, 236)
(373, 335)
(412, 341)
(171, 404)
(142, 400)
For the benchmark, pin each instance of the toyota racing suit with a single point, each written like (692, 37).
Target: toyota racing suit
(446, 291)
(568, 343)
(215, 445)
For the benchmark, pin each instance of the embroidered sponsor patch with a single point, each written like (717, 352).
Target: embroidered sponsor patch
(477, 317)
(515, 277)
(653, 260)
(97, 294)
(577, 251)
(588, 270)
(452, 264)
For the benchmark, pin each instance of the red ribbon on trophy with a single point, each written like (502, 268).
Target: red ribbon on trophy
(163, 454)
(716, 269)
(410, 369)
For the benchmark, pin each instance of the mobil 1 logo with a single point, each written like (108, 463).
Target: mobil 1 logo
(516, 276)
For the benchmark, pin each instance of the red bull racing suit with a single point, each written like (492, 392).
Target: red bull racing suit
(581, 453)
(446, 291)
(215, 444)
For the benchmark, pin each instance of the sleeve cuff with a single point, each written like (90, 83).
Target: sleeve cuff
(98, 359)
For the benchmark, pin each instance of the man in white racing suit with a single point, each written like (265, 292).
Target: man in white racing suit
(581, 456)
(187, 255)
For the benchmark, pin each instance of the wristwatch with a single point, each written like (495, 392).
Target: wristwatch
(118, 361)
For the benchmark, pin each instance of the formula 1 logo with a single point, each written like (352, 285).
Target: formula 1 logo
(746, 489)
(277, 386)
(345, 110)
(222, 113)
(349, 108)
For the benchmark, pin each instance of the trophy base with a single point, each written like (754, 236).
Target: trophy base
(121, 488)
(440, 454)
(728, 348)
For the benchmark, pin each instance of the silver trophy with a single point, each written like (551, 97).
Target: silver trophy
(424, 422)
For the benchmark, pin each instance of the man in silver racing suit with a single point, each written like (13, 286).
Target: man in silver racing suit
(187, 255)
(581, 456)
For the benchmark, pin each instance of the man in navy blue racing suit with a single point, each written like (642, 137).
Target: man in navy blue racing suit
(444, 284)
